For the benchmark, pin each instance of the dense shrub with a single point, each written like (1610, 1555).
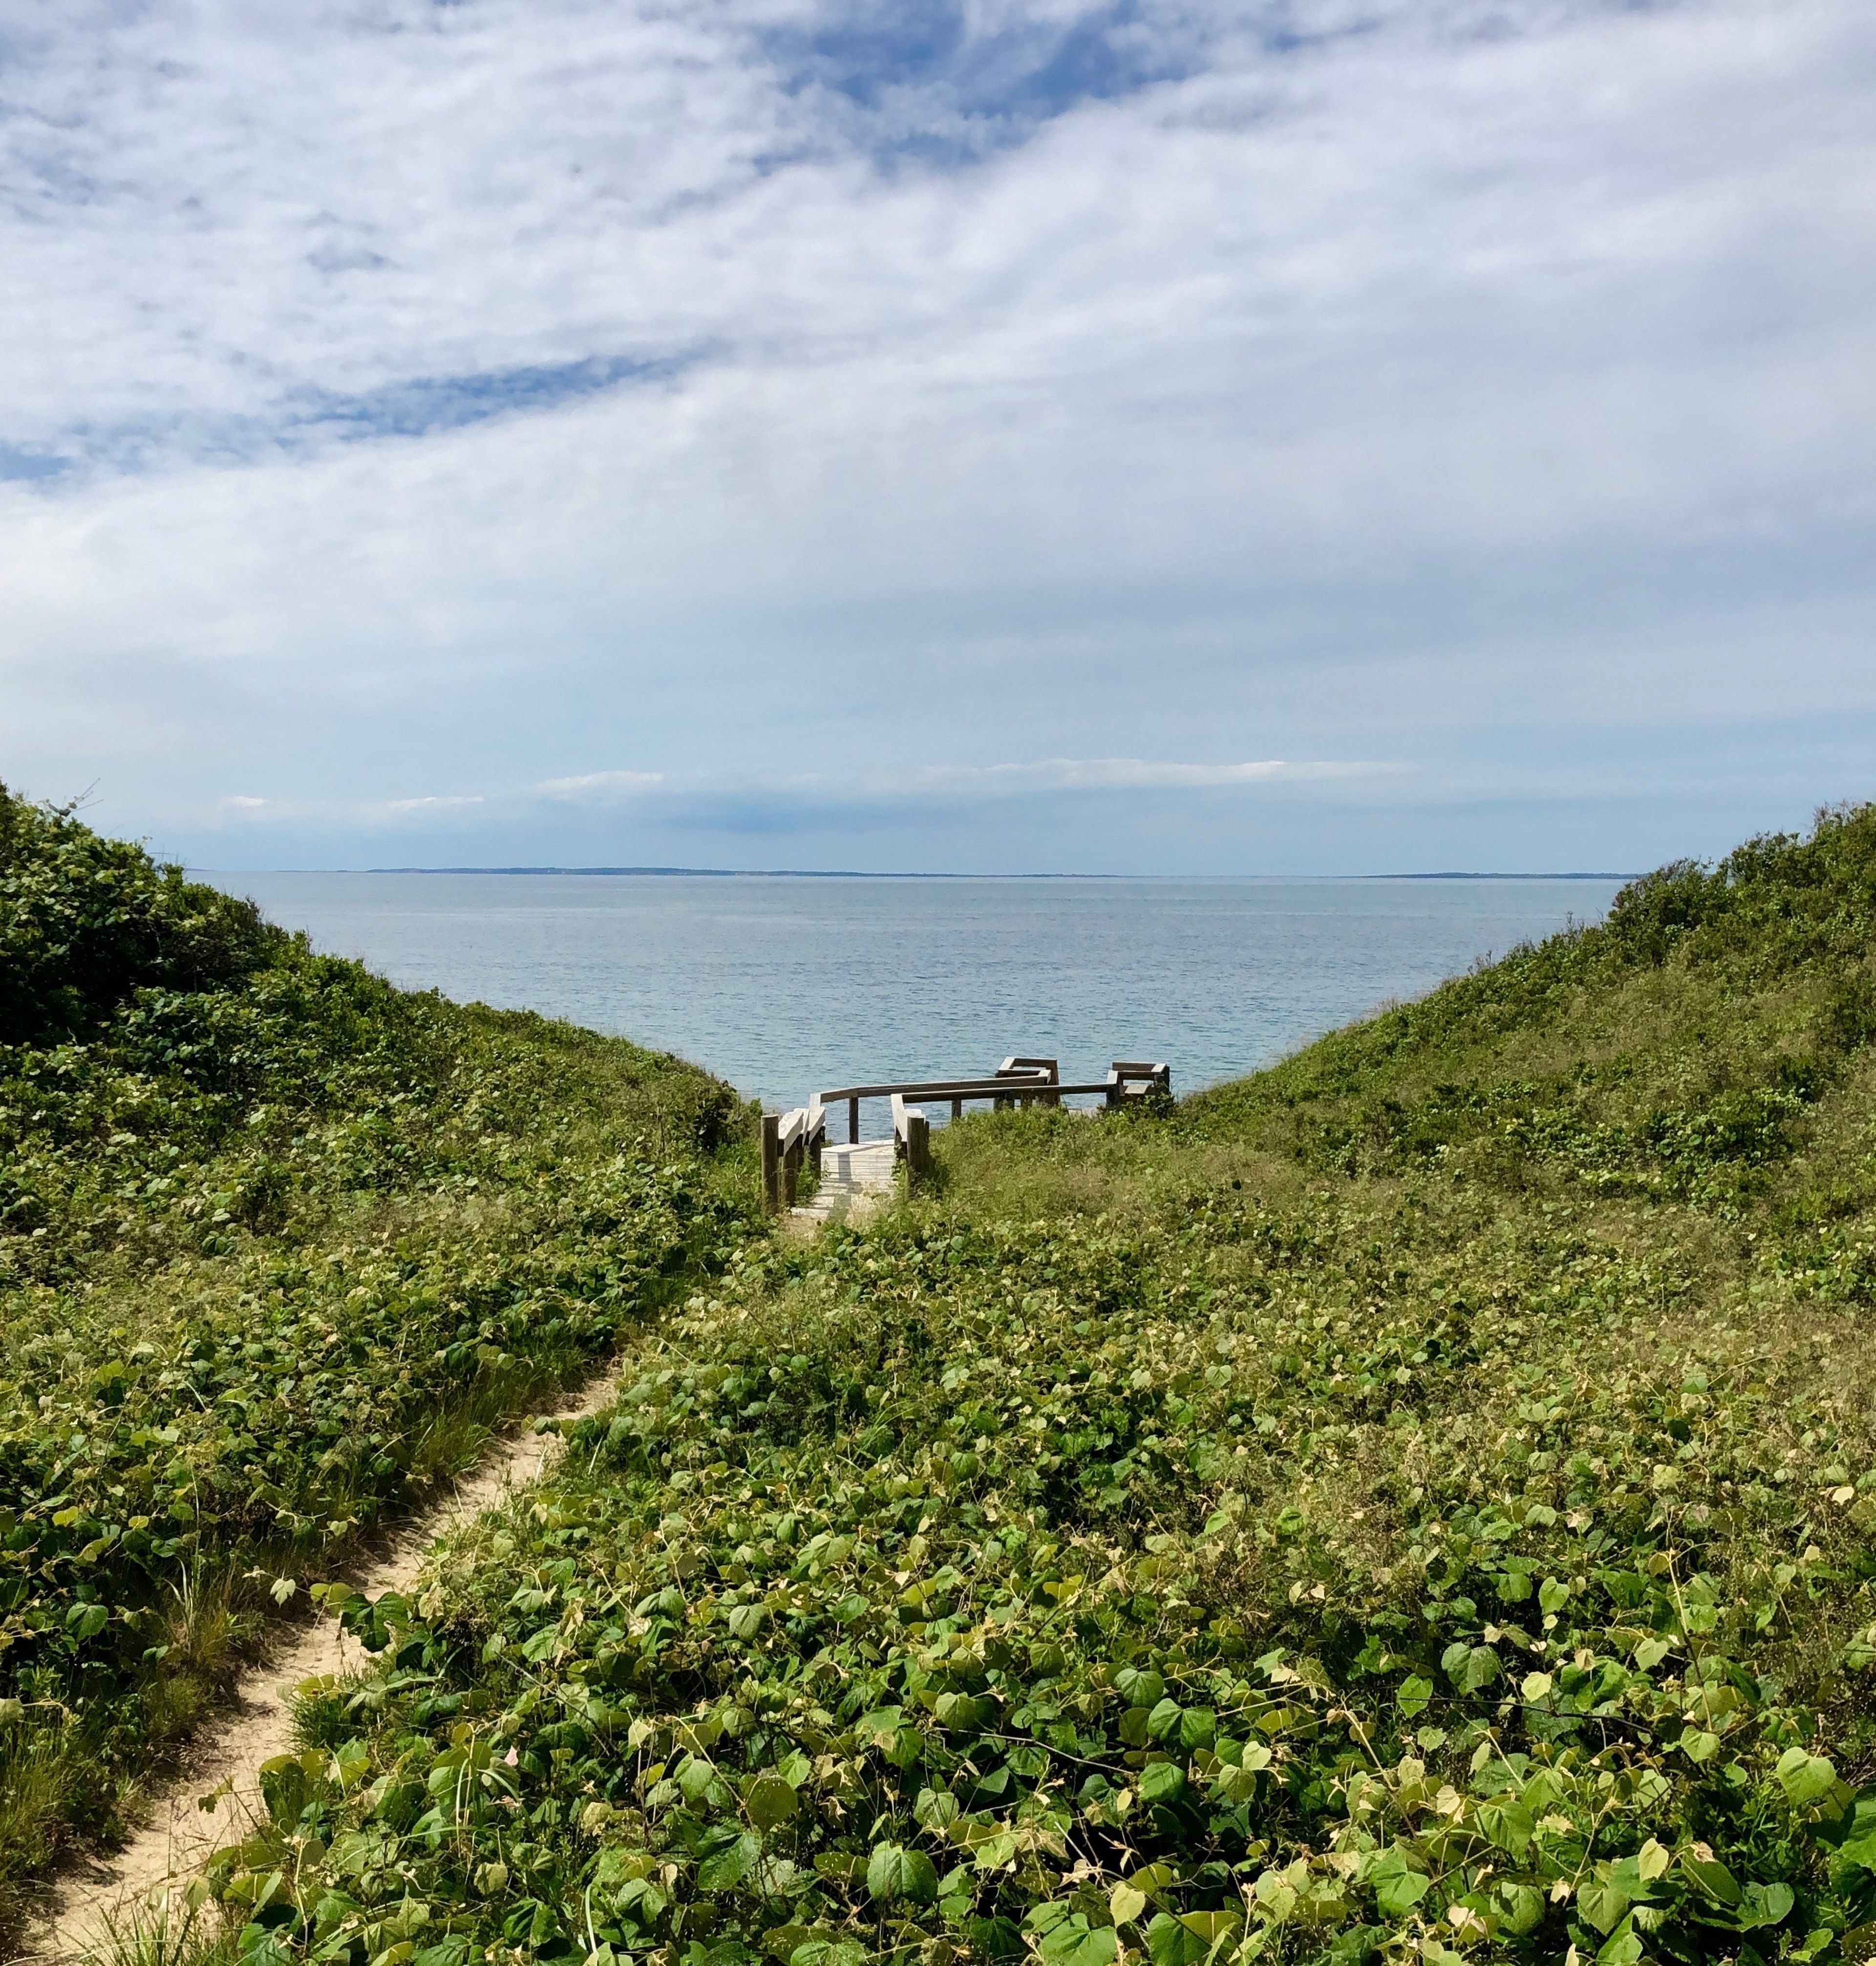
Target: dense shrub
(278, 1245)
(85, 921)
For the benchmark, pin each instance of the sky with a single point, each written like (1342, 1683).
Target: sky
(1289, 437)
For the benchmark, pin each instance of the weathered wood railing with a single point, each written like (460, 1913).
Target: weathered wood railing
(788, 1138)
(799, 1134)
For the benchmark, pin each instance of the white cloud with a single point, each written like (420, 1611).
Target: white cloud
(600, 784)
(1445, 384)
(1053, 775)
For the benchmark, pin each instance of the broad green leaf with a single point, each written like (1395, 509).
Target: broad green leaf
(1860, 1849)
(1623, 1948)
(935, 1808)
(1170, 1942)
(1761, 1905)
(1414, 1695)
(1075, 1943)
(903, 1748)
(1508, 1823)
(1480, 1668)
(1712, 1877)
(1139, 1688)
(995, 1938)
(1163, 1722)
(770, 1802)
(1234, 1785)
(1125, 1904)
(1523, 1907)
(1161, 1781)
(1602, 1902)
(729, 1862)
(638, 1898)
(995, 1851)
(1804, 1777)
(819, 1951)
(86, 1621)
(895, 1872)
(1398, 1886)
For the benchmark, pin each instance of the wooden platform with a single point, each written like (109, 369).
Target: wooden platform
(854, 1174)
(852, 1181)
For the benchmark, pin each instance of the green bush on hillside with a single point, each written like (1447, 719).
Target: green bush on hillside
(85, 922)
(278, 1245)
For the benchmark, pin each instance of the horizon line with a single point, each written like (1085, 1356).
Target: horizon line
(865, 874)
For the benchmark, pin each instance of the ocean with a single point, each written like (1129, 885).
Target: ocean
(790, 984)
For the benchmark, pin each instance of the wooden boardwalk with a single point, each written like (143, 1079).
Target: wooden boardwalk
(858, 1173)
(854, 1180)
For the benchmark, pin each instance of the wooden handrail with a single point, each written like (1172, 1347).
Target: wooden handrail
(980, 1088)
(1026, 1067)
(929, 1089)
(787, 1138)
(911, 1138)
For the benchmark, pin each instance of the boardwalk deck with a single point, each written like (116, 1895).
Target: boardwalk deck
(858, 1171)
(852, 1180)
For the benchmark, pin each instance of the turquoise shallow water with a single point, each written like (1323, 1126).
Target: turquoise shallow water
(790, 984)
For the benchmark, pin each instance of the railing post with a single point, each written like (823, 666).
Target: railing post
(957, 1109)
(771, 1162)
(853, 1122)
(917, 1150)
(791, 1171)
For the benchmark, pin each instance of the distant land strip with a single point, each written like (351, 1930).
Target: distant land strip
(863, 873)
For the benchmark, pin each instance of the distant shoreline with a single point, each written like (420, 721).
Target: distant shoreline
(861, 873)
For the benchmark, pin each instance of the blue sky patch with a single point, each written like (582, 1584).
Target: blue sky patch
(34, 466)
(424, 404)
(919, 69)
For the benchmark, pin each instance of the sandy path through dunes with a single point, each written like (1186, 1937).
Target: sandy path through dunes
(179, 1838)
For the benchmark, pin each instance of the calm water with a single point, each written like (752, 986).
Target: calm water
(790, 985)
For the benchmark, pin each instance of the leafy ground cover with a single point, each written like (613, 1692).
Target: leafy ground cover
(1415, 1503)
(278, 1245)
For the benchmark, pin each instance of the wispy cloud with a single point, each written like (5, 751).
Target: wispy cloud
(1072, 775)
(767, 392)
(600, 784)
(1040, 778)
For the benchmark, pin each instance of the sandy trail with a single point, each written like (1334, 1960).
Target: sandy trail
(176, 1843)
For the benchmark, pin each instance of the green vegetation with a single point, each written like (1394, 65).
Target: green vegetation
(279, 1245)
(1416, 1502)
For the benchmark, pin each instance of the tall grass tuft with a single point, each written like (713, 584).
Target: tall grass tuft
(180, 1928)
